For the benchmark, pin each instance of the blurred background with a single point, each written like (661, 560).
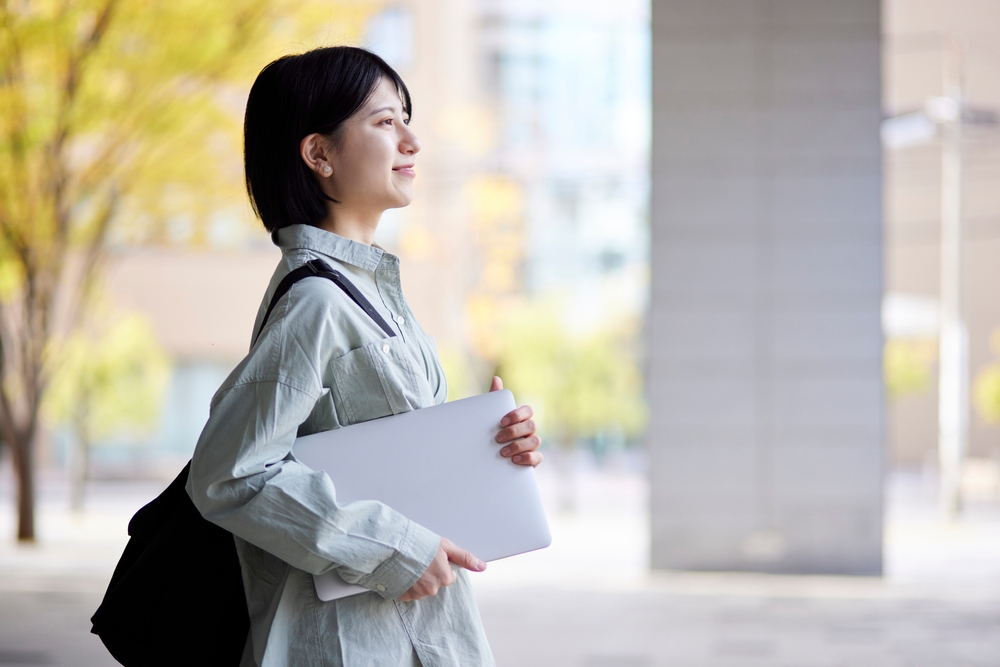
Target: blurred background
(741, 256)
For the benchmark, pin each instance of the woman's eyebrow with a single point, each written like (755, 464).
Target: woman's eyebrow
(380, 110)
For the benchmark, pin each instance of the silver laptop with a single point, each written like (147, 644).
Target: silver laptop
(441, 467)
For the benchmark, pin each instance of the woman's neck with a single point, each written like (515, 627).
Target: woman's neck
(352, 225)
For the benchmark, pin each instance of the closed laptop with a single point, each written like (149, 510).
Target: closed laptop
(440, 467)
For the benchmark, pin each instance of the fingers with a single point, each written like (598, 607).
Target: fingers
(518, 415)
(520, 446)
(462, 558)
(438, 575)
(518, 430)
(497, 383)
(530, 459)
(424, 589)
(519, 434)
(417, 591)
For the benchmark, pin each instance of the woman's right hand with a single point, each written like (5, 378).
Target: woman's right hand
(440, 572)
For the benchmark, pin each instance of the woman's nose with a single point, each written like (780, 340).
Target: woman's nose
(410, 143)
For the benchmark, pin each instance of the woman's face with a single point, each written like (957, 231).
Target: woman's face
(373, 155)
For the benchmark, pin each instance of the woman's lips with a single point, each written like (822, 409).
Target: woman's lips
(406, 170)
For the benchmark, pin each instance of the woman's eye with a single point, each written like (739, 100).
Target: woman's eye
(387, 121)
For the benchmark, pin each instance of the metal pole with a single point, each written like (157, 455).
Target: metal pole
(953, 388)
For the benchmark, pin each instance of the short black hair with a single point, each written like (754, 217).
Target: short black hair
(293, 97)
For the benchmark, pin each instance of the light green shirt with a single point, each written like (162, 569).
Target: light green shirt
(319, 364)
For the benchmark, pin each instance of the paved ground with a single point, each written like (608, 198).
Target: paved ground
(763, 628)
(588, 600)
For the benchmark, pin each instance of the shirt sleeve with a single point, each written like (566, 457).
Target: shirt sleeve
(244, 478)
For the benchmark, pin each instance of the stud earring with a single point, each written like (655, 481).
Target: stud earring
(327, 170)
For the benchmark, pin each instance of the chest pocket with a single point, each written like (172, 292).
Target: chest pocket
(378, 380)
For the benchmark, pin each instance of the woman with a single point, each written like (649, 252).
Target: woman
(328, 149)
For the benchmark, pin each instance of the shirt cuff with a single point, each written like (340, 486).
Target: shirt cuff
(414, 555)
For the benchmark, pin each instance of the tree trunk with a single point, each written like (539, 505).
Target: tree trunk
(20, 440)
(24, 461)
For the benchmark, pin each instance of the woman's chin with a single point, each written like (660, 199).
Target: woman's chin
(401, 199)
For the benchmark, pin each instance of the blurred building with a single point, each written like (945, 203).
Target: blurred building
(569, 83)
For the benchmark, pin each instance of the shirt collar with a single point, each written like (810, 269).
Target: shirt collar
(296, 237)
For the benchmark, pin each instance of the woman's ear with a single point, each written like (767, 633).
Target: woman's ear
(315, 153)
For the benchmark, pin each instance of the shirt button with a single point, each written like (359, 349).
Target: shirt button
(381, 588)
(400, 319)
(385, 348)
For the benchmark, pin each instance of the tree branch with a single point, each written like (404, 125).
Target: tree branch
(12, 69)
(93, 255)
(58, 168)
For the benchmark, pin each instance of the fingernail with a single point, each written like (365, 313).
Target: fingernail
(517, 459)
(505, 451)
(480, 565)
(503, 422)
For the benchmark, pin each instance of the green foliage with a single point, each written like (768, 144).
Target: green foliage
(581, 386)
(907, 366)
(134, 107)
(986, 394)
(111, 384)
(986, 391)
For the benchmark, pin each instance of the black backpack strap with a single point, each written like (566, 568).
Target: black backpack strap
(318, 267)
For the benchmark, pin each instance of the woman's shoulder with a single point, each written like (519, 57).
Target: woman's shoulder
(334, 305)
(299, 329)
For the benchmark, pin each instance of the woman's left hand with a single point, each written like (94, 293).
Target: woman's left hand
(518, 433)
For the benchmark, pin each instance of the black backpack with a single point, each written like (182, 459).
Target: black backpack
(176, 597)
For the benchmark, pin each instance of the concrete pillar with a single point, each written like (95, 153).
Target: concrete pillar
(765, 379)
